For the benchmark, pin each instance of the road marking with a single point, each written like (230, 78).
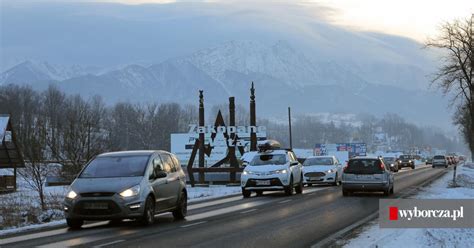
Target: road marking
(242, 206)
(285, 201)
(194, 224)
(110, 243)
(45, 234)
(212, 203)
(85, 240)
(249, 211)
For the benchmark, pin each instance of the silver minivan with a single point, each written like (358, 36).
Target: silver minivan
(367, 175)
(127, 185)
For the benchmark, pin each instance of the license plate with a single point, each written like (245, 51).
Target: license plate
(263, 182)
(315, 179)
(96, 205)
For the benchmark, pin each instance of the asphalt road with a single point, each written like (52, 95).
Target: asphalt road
(271, 220)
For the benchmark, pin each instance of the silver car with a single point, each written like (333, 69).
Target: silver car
(367, 175)
(322, 169)
(440, 160)
(127, 185)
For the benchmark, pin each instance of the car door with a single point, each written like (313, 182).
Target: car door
(338, 168)
(158, 184)
(296, 169)
(172, 180)
(388, 171)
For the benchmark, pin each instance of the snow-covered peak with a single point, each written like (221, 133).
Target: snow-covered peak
(278, 60)
(31, 71)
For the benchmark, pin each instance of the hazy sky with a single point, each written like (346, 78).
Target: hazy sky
(412, 18)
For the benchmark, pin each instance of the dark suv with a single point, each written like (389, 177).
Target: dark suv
(127, 185)
(406, 161)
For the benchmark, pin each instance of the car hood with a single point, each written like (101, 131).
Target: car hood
(318, 168)
(265, 168)
(113, 184)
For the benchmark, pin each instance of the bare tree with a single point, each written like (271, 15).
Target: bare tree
(35, 171)
(455, 76)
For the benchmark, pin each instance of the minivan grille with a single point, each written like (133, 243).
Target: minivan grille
(112, 208)
(97, 194)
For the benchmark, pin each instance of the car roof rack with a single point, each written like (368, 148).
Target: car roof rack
(269, 145)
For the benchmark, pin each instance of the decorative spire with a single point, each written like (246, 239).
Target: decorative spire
(252, 92)
(201, 98)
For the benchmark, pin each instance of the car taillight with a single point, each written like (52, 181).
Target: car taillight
(382, 166)
(345, 167)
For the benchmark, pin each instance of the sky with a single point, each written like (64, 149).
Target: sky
(416, 19)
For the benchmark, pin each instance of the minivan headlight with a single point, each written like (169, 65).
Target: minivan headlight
(71, 194)
(247, 172)
(133, 191)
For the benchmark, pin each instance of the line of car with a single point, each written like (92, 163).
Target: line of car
(274, 168)
(140, 184)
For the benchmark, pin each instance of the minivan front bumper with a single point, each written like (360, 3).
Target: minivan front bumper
(103, 208)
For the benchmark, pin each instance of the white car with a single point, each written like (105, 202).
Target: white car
(322, 169)
(272, 170)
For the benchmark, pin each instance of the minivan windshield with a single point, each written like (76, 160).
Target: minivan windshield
(116, 166)
(438, 157)
(364, 166)
(266, 159)
(318, 161)
(405, 157)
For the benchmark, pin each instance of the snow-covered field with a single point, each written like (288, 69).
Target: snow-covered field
(373, 236)
(20, 211)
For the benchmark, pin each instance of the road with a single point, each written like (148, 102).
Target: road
(271, 220)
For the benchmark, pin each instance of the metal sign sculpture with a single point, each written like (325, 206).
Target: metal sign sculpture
(231, 137)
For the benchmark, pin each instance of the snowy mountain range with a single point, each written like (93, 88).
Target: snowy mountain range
(283, 76)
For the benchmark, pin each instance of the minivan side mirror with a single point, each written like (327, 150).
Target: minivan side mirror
(160, 174)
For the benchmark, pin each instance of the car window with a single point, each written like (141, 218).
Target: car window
(364, 166)
(157, 164)
(266, 159)
(438, 157)
(168, 165)
(292, 156)
(318, 161)
(176, 163)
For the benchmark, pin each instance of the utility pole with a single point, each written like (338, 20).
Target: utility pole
(289, 126)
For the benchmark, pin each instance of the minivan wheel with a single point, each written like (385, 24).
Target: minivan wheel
(182, 207)
(386, 192)
(149, 213)
(259, 192)
(74, 223)
(246, 193)
(299, 188)
(290, 188)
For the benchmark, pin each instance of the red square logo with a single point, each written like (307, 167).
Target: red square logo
(393, 213)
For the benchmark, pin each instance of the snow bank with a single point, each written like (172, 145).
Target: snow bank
(373, 236)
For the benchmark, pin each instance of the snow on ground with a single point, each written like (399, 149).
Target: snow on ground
(373, 236)
(213, 191)
(27, 215)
